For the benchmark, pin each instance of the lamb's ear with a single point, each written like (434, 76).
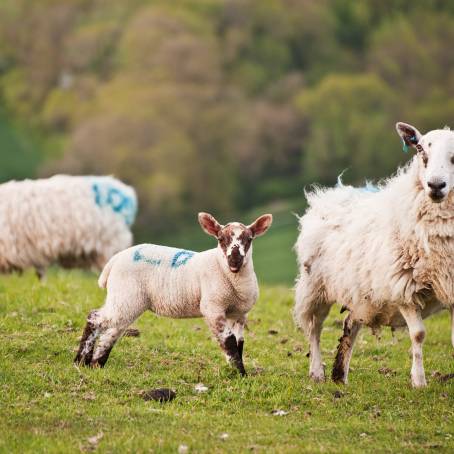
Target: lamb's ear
(261, 225)
(209, 224)
(409, 135)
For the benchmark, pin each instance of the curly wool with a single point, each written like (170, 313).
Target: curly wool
(73, 221)
(374, 251)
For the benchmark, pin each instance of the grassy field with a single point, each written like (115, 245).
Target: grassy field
(49, 405)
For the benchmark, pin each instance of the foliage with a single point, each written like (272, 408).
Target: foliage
(347, 117)
(222, 105)
(48, 405)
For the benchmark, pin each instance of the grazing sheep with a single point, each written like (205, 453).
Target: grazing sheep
(387, 257)
(73, 221)
(219, 284)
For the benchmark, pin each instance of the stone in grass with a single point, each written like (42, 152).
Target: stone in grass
(200, 388)
(279, 412)
(159, 394)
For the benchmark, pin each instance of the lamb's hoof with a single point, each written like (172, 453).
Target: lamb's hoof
(243, 373)
(80, 360)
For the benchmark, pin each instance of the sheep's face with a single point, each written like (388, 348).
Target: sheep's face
(234, 238)
(436, 159)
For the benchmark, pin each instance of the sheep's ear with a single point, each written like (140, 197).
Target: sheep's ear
(209, 224)
(261, 225)
(409, 135)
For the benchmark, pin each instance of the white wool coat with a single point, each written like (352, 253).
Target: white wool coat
(69, 220)
(176, 283)
(375, 251)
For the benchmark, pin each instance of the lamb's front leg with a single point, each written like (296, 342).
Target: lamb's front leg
(237, 325)
(412, 316)
(225, 336)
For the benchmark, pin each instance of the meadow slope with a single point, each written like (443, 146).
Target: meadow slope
(49, 405)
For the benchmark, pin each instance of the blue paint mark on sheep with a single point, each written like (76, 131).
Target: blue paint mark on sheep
(370, 188)
(139, 257)
(181, 258)
(107, 195)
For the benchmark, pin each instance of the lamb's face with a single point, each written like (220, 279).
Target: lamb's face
(235, 239)
(436, 158)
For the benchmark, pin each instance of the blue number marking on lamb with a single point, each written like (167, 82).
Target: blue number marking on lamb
(181, 258)
(139, 257)
(118, 201)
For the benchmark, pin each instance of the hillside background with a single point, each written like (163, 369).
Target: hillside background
(226, 106)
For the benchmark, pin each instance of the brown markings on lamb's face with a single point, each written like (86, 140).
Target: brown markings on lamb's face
(235, 241)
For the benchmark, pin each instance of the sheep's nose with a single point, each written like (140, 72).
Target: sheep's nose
(436, 185)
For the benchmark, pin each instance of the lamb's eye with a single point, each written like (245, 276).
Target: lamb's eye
(452, 159)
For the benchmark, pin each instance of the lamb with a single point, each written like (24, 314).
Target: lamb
(387, 257)
(73, 221)
(218, 284)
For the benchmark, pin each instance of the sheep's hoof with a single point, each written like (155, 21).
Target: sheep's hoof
(419, 382)
(340, 380)
(338, 376)
(317, 377)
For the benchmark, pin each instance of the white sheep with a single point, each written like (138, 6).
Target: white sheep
(73, 221)
(218, 284)
(387, 257)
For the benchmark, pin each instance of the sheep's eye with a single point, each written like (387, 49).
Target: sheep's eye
(452, 159)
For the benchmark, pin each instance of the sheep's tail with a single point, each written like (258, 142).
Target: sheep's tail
(104, 276)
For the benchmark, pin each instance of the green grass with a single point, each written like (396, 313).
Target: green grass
(49, 405)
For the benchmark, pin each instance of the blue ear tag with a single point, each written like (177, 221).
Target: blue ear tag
(405, 146)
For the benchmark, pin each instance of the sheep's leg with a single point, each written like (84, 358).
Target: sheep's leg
(227, 340)
(452, 325)
(87, 342)
(106, 342)
(417, 334)
(345, 350)
(40, 273)
(317, 369)
(117, 316)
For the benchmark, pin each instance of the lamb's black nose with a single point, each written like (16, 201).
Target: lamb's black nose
(436, 185)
